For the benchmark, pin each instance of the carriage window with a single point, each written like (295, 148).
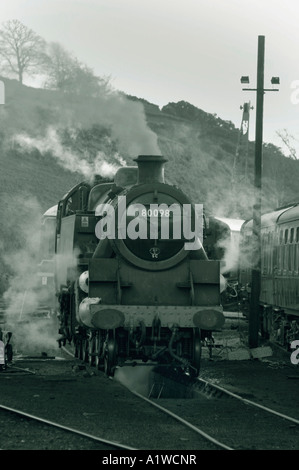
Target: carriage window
(297, 234)
(291, 235)
(286, 235)
(280, 237)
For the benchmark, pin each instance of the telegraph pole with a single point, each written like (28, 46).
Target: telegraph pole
(256, 227)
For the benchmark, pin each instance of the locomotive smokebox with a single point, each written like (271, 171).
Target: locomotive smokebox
(150, 168)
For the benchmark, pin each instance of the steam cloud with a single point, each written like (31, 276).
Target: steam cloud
(123, 119)
(23, 295)
(70, 160)
(231, 254)
(230, 244)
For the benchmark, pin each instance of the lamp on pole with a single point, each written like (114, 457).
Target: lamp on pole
(256, 227)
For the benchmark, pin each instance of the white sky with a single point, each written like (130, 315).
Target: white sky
(171, 50)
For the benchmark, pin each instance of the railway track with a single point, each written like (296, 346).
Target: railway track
(184, 422)
(231, 419)
(175, 416)
(214, 417)
(101, 420)
(12, 369)
(243, 407)
(104, 444)
(211, 387)
(31, 427)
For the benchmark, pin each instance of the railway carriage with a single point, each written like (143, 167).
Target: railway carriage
(279, 295)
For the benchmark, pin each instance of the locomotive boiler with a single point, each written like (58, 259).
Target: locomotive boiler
(129, 290)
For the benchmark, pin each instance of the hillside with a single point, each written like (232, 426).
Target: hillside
(201, 149)
(49, 141)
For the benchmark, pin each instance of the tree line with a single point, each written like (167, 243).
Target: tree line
(24, 52)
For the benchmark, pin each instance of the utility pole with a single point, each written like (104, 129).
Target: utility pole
(256, 227)
(2, 346)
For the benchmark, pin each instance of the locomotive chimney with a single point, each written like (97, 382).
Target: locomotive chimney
(150, 168)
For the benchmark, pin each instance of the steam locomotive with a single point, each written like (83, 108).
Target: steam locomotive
(133, 299)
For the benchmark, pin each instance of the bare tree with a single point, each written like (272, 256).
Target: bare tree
(65, 73)
(59, 68)
(21, 49)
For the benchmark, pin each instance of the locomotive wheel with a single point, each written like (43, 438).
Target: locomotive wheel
(110, 357)
(195, 369)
